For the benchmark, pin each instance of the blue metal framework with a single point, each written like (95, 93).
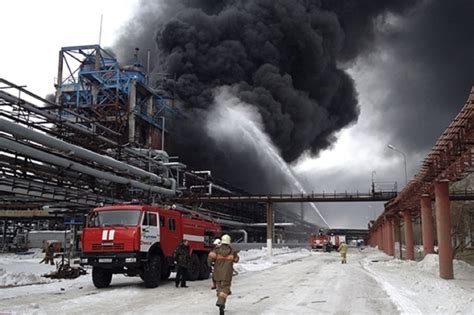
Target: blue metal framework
(93, 83)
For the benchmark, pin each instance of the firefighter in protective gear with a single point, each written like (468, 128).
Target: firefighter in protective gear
(343, 250)
(49, 254)
(216, 243)
(223, 258)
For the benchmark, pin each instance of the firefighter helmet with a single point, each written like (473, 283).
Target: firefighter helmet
(225, 239)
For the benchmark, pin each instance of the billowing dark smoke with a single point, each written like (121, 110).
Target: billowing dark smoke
(358, 18)
(279, 56)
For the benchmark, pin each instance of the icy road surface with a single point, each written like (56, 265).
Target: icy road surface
(291, 282)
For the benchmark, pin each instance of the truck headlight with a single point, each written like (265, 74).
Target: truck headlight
(83, 260)
(130, 260)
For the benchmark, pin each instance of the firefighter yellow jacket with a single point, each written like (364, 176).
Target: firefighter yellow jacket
(342, 248)
(223, 258)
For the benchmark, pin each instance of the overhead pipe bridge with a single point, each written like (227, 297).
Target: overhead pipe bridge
(450, 160)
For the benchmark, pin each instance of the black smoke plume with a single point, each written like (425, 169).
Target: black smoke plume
(279, 56)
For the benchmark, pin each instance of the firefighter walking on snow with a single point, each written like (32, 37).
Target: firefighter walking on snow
(48, 255)
(223, 258)
(343, 250)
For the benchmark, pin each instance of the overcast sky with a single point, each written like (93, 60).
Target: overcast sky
(410, 84)
(33, 32)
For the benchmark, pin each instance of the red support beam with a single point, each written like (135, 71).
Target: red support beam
(384, 236)
(381, 237)
(443, 225)
(391, 243)
(409, 248)
(427, 224)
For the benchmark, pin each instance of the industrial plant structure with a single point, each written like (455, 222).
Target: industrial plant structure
(102, 139)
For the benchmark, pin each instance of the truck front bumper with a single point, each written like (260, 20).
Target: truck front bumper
(111, 260)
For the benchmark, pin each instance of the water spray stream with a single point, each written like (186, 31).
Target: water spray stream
(235, 121)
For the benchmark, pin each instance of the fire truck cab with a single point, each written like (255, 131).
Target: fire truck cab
(140, 240)
(320, 241)
(325, 241)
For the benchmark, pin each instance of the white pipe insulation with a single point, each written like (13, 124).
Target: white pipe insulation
(68, 164)
(68, 148)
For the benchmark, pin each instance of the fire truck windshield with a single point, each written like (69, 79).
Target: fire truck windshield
(114, 218)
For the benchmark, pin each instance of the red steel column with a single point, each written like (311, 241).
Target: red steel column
(387, 242)
(377, 236)
(443, 225)
(427, 224)
(391, 243)
(410, 251)
(381, 236)
(384, 237)
(377, 233)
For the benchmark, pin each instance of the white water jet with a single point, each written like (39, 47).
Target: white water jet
(233, 121)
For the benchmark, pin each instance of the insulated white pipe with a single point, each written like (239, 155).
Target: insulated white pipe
(49, 141)
(30, 188)
(49, 158)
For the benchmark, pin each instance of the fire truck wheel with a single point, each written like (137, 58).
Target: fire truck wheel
(152, 272)
(101, 277)
(194, 269)
(205, 271)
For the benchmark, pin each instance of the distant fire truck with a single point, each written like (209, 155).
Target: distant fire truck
(140, 240)
(319, 241)
(325, 241)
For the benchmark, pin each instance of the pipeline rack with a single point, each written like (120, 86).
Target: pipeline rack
(53, 155)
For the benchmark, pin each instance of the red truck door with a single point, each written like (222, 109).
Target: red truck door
(170, 232)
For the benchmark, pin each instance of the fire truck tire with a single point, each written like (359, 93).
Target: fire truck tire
(205, 271)
(195, 267)
(101, 277)
(152, 272)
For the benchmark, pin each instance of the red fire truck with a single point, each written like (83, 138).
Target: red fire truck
(140, 240)
(325, 241)
(320, 241)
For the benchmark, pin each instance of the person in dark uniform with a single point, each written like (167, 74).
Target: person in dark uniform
(182, 259)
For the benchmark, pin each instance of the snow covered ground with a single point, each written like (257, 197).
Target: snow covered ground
(293, 281)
